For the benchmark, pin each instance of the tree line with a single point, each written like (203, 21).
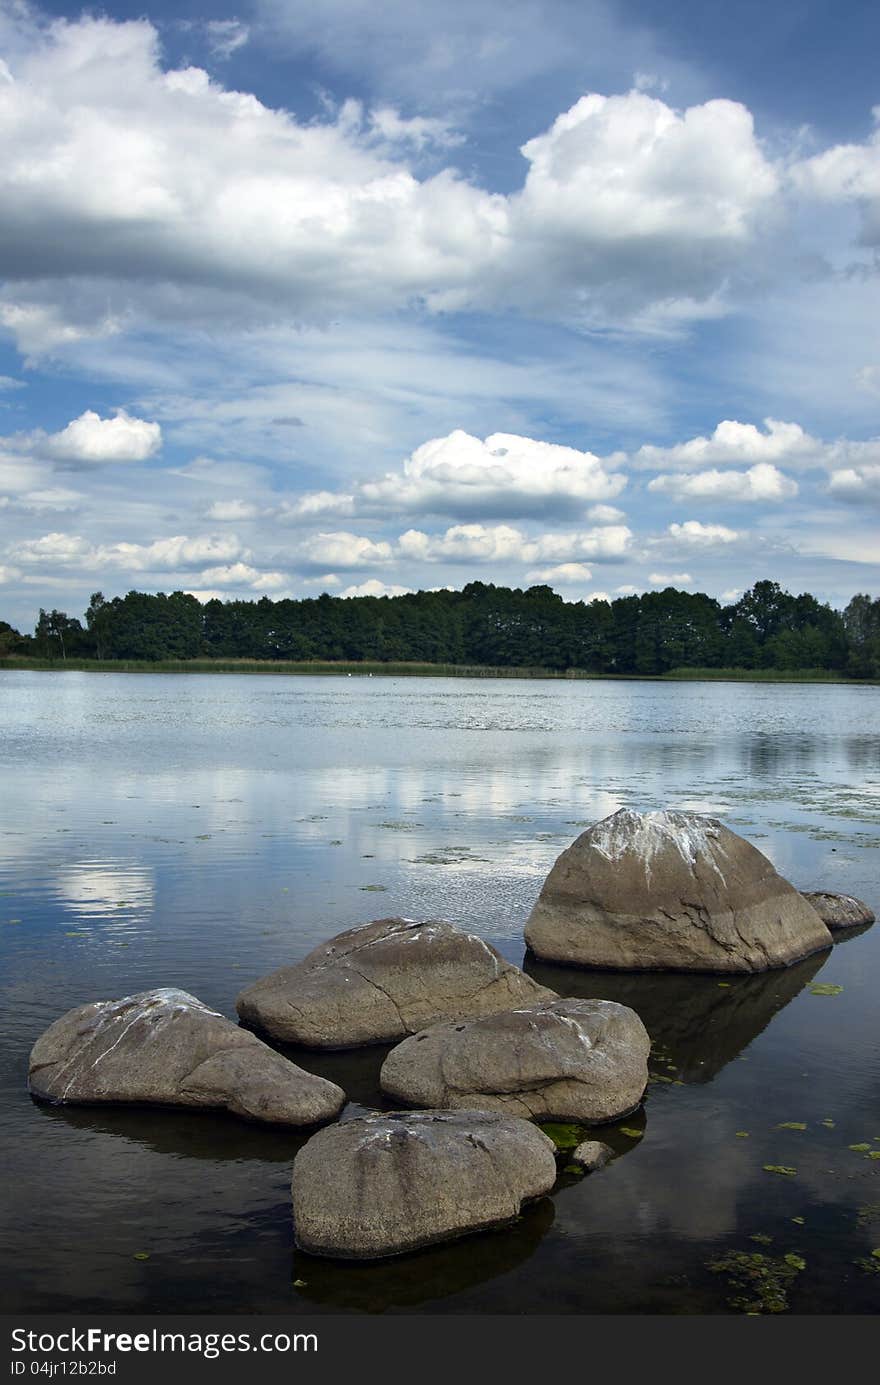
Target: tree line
(767, 628)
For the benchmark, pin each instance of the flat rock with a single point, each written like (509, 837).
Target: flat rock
(839, 910)
(567, 1060)
(390, 1183)
(165, 1048)
(382, 981)
(591, 1155)
(670, 890)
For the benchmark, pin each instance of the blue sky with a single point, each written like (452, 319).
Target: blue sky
(369, 298)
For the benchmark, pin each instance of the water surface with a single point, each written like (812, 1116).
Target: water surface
(199, 831)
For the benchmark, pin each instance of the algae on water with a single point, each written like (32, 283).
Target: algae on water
(759, 1282)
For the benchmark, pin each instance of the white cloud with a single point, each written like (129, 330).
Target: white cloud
(856, 484)
(210, 204)
(9, 574)
(502, 475)
(242, 575)
(694, 534)
(342, 550)
(643, 212)
(372, 587)
(226, 36)
(387, 124)
(566, 574)
(52, 548)
(739, 443)
(229, 511)
(161, 555)
(605, 514)
(762, 482)
(847, 173)
(501, 543)
(91, 438)
(670, 579)
(329, 579)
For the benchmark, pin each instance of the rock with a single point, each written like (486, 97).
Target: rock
(166, 1048)
(382, 981)
(389, 1183)
(670, 890)
(591, 1155)
(565, 1060)
(839, 910)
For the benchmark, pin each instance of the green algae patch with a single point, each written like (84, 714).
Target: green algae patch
(761, 1238)
(824, 988)
(860, 1149)
(780, 1168)
(758, 1283)
(141, 1255)
(828, 1123)
(798, 1221)
(792, 1125)
(631, 1133)
(564, 1136)
(573, 1168)
(743, 1135)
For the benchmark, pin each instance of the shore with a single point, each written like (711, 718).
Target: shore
(371, 669)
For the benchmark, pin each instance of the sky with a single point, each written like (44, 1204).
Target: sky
(337, 296)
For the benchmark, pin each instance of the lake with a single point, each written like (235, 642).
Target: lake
(199, 831)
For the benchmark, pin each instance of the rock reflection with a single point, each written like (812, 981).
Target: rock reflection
(201, 1135)
(426, 1275)
(700, 1022)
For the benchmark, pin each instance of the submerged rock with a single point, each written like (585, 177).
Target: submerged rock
(165, 1048)
(591, 1155)
(382, 981)
(670, 890)
(568, 1060)
(839, 910)
(390, 1183)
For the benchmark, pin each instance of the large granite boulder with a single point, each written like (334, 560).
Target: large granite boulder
(668, 890)
(166, 1048)
(382, 981)
(389, 1183)
(839, 910)
(566, 1060)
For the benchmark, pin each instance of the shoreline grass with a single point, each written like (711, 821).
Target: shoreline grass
(403, 669)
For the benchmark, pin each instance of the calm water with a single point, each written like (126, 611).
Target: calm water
(200, 831)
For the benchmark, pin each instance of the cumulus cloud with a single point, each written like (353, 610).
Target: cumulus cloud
(503, 543)
(342, 550)
(372, 587)
(125, 180)
(9, 574)
(565, 574)
(168, 554)
(693, 533)
(856, 484)
(503, 476)
(92, 439)
(762, 482)
(847, 173)
(737, 443)
(670, 579)
(243, 575)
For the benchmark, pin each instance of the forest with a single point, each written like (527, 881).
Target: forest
(486, 625)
